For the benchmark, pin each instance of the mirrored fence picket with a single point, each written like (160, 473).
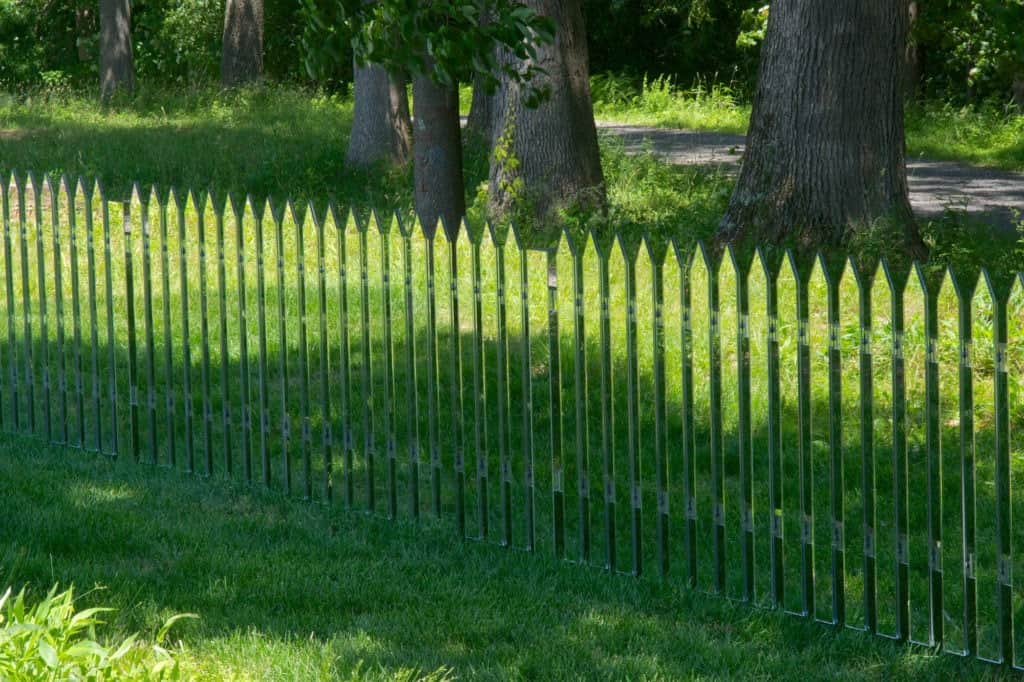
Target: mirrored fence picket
(806, 434)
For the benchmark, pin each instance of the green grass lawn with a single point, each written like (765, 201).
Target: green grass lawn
(287, 590)
(645, 196)
(985, 136)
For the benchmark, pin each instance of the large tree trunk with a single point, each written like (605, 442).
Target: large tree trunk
(117, 71)
(437, 144)
(826, 147)
(547, 158)
(242, 51)
(381, 129)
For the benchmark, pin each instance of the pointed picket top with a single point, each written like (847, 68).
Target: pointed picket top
(218, 201)
(277, 209)
(1000, 284)
(517, 237)
(19, 181)
(864, 271)
(340, 215)
(684, 248)
(451, 231)
(896, 273)
(154, 197)
(6, 176)
(499, 232)
(475, 232)
(238, 204)
(577, 244)
(965, 282)
(772, 259)
(382, 220)
(52, 185)
(199, 199)
(712, 257)
(35, 183)
(100, 191)
(833, 266)
(297, 211)
(604, 243)
(68, 187)
(657, 249)
(629, 245)
(257, 208)
(742, 258)
(317, 215)
(802, 266)
(178, 198)
(361, 217)
(137, 196)
(405, 226)
(930, 278)
(161, 194)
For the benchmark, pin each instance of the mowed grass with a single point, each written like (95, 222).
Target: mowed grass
(647, 198)
(984, 135)
(287, 590)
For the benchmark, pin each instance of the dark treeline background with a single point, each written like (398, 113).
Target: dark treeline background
(962, 50)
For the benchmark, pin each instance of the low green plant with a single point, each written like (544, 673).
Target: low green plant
(52, 640)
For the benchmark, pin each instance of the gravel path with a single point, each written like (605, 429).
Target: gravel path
(984, 193)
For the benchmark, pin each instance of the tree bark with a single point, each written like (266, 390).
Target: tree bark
(117, 71)
(482, 113)
(437, 144)
(826, 146)
(242, 50)
(381, 129)
(547, 159)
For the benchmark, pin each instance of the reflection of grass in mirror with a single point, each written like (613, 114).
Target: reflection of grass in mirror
(287, 590)
(367, 411)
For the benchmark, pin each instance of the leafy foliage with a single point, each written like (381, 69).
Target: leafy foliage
(50, 640)
(971, 47)
(451, 40)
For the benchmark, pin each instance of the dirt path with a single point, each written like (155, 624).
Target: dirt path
(984, 193)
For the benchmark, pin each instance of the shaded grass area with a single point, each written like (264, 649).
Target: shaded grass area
(291, 591)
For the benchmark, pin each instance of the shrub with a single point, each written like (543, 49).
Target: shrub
(52, 641)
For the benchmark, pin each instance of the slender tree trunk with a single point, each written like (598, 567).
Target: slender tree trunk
(381, 129)
(85, 26)
(242, 51)
(480, 124)
(547, 158)
(1018, 91)
(117, 71)
(437, 144)
(482, 113)
(912, 75)
(826, 145)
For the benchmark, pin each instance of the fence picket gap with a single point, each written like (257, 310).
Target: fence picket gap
(476, 238)
(12, 361)
(244, 397)
(147, 297)
(168, 339)
(865, 275)
(388, 409)
(55, 187)
(71, 189)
